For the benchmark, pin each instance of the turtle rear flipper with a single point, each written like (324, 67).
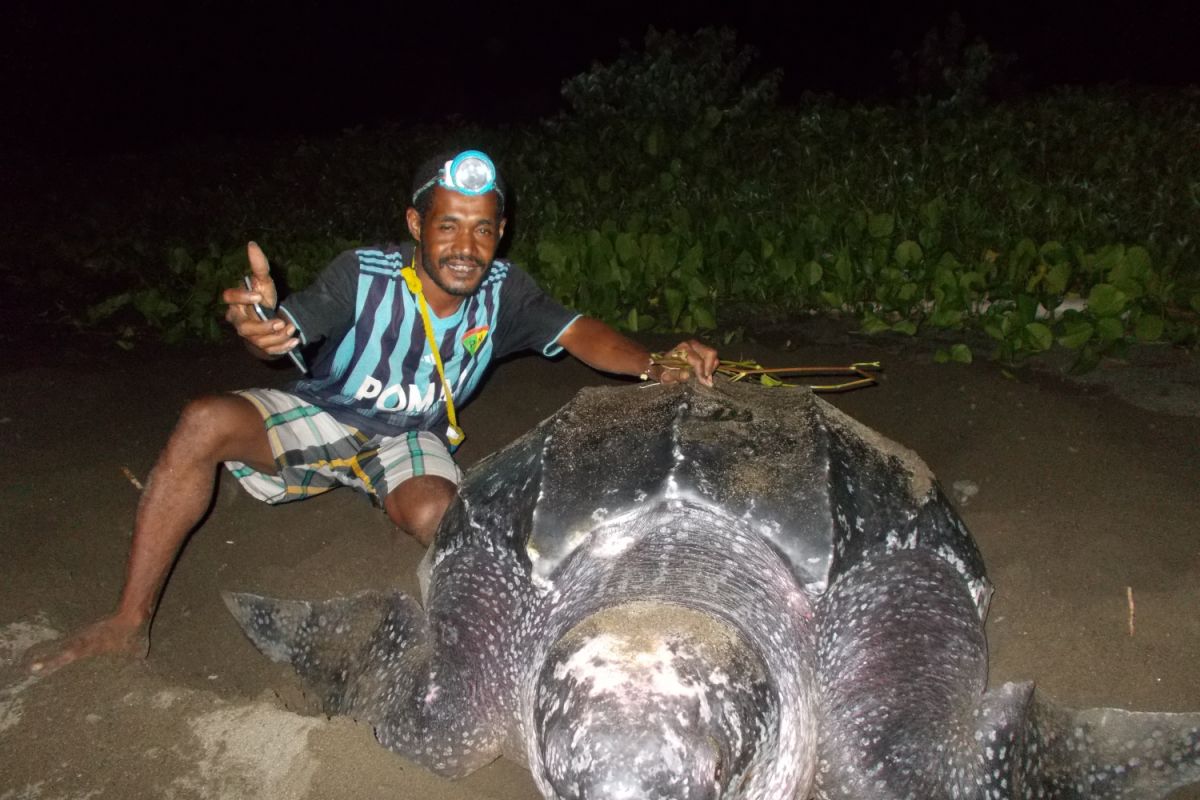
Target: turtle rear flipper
(371, 656)
(1099, 753)
(344, 648)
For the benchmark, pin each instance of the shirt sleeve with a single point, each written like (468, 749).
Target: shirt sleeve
(529, 319)
(327, 306)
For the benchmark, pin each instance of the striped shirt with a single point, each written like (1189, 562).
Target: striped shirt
(375, 370)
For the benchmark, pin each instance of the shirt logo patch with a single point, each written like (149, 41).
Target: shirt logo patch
(472, 340)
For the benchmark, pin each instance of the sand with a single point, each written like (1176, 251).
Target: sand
(1079, 499)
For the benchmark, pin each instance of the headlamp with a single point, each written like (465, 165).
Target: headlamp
(470, 172)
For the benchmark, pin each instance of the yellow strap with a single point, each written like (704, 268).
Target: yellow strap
(455, 434)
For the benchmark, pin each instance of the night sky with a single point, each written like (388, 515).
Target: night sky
(141, 74)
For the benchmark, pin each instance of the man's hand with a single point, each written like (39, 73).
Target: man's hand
(702, 361)
(270, 337)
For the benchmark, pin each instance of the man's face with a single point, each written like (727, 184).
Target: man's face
(458, 239)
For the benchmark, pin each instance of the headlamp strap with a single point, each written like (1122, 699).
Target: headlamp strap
(454, 434)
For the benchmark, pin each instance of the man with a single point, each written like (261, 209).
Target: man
(377, 412)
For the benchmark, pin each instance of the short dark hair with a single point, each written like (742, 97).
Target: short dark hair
(422, 199)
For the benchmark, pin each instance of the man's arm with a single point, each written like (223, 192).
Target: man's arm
(602, 348)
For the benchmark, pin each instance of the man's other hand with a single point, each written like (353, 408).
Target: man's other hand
(273, 337)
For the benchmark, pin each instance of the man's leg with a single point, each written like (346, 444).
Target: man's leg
(417, 505)
(211, 430)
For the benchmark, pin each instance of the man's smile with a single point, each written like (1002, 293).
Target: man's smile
(461, 267)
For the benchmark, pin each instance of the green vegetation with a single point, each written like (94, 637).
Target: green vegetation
(674, 190)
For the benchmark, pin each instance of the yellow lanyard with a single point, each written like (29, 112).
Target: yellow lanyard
(455, 434)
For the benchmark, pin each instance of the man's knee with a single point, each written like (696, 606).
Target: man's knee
(223, 428)
(418, 504)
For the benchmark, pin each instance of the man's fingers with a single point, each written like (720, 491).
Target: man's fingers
(260, 277)
(287, 346)
(276, 344)
(259, 267)
(676, 375)
(701, 358)
(240, 297)
(274, 336)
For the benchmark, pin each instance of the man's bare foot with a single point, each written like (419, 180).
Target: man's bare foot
(109, 636)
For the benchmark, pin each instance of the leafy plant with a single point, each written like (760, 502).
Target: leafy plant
(673, 190)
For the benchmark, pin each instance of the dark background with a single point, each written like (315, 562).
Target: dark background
(141, 74)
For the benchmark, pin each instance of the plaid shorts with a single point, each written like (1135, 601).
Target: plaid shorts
(316, 453)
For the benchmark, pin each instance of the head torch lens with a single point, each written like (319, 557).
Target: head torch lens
(471, 172)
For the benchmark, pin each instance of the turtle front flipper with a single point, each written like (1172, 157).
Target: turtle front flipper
(903, 671)
(371, 656)
(902, 666)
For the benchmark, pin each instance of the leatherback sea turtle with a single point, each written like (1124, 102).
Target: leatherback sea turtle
(683, 592)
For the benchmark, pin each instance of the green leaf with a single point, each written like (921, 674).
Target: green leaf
(627, 248)
(905, 326)
(873, 324)
(880, 226)
(971, 280)
(107, 307)
(946, 318)
(1138, 260)
(1106, 300)
(675, 301)
(704, 318)
(931, 212)
(745, 263)
(1027, 306)
(178, 261)
(941, 357)
(961, 354)
(631, 319)
(1075, 334)
(1057, 278)
(1110, 329)
(1053, 252)
(843, 268)
(1039, 336)
(1110, 257)
(1022, 258)
(785, 268)
(1149, 328)
(550, 252)
(813, 273)
(909, 252)
(693, 259)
